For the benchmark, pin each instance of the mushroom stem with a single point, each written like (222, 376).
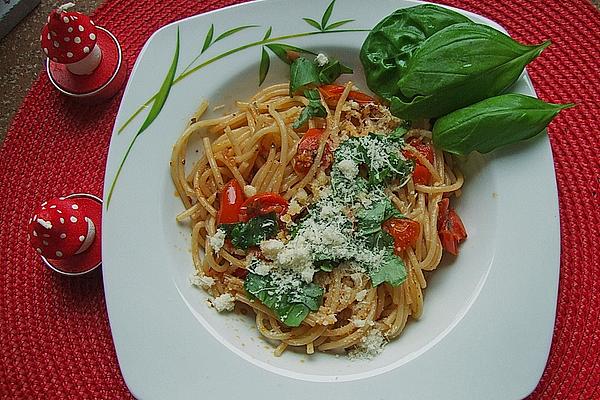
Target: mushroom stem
(65, 7)
(87, 65)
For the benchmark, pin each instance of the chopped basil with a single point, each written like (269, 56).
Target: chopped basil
(313, 109)
(370, 219)
(247, 234)
(290, 307)
(305, 73)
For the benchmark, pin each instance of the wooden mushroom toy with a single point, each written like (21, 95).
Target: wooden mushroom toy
(65, 232)
(84, 60)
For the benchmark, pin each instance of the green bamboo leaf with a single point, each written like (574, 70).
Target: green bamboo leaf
(208, 38)
(159, 102)
(327, 15)
(313, 23)
(232, 31)
(338, 24)
(282, 51)
(265, 63)
(268, 34)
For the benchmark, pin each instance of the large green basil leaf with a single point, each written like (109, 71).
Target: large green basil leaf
(391, 43)
(493, 123)
(369, 220)
(458, 66)
(291, 308)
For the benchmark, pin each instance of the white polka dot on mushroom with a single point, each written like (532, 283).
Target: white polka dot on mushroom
(70, 29)
(56, 44)
(80, 27)
(35, 233)
(53, 33)
(38, 250)
(49, 37)
(45, 243)
(66, 20)
(77, 39)
(46, 50)
(54, 59)
(67, 39)
(58, 211)
(59, 254)
(52, 206)
(63, 235)
(92, 36)
(45, 235)
(69, 54)
(62, 220)
(86, 49)
(74, 206)
(73, 219)
(81, 238)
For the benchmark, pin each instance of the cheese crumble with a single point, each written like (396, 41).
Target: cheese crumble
(217, 240)
(224, 302)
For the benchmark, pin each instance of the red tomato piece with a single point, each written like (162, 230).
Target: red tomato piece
(307, 151)
(332, 93)
(231, 199)
(421, 174)
(262, 204)
(450, 227)
(404, 231)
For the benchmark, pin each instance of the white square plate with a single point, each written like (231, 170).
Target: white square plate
(488, 316)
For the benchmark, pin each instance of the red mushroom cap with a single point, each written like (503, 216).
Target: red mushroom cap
(59, 229)
(68, 37)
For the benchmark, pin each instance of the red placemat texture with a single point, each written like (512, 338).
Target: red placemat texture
(55, 339)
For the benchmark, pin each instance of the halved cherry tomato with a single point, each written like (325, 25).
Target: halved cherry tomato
(307, 151)
(332, 93)
(450, 227)
(231, 199)
(261, 204)
(421, 174)
(404, 231)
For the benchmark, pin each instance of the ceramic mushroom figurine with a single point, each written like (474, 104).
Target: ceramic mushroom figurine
(65, 232)
(70, 38)
(84, 60)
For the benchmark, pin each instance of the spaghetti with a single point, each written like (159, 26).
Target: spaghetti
(257, 147)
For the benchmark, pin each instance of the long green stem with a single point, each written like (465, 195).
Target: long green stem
(116, 177)
(185, 74)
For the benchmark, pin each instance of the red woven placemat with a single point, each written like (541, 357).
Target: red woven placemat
(55, 339)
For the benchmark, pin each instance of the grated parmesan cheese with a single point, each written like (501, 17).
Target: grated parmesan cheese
(203, 281)
(348, 168)
(270, 248)
(217, 240)
(224, 302)
(249, 190)
(321, 59)
(360, 296)
(369, 347)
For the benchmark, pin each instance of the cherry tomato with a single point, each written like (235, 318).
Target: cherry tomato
(307, 151)
(450, 227)
(231, 199)
(261, 204)
(421, 174)
(404, 231)
(332, 93)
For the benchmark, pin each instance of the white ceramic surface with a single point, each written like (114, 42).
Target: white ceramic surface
(489, 315)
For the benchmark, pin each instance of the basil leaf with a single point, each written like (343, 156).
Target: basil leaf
(458, 66)
(390, 44)
(247, 234)
(283, 51)
(493, 123)
(314, 108)
(290, 307)
(392, 271)
(370, 219)
(332, 70)
(303, 72)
